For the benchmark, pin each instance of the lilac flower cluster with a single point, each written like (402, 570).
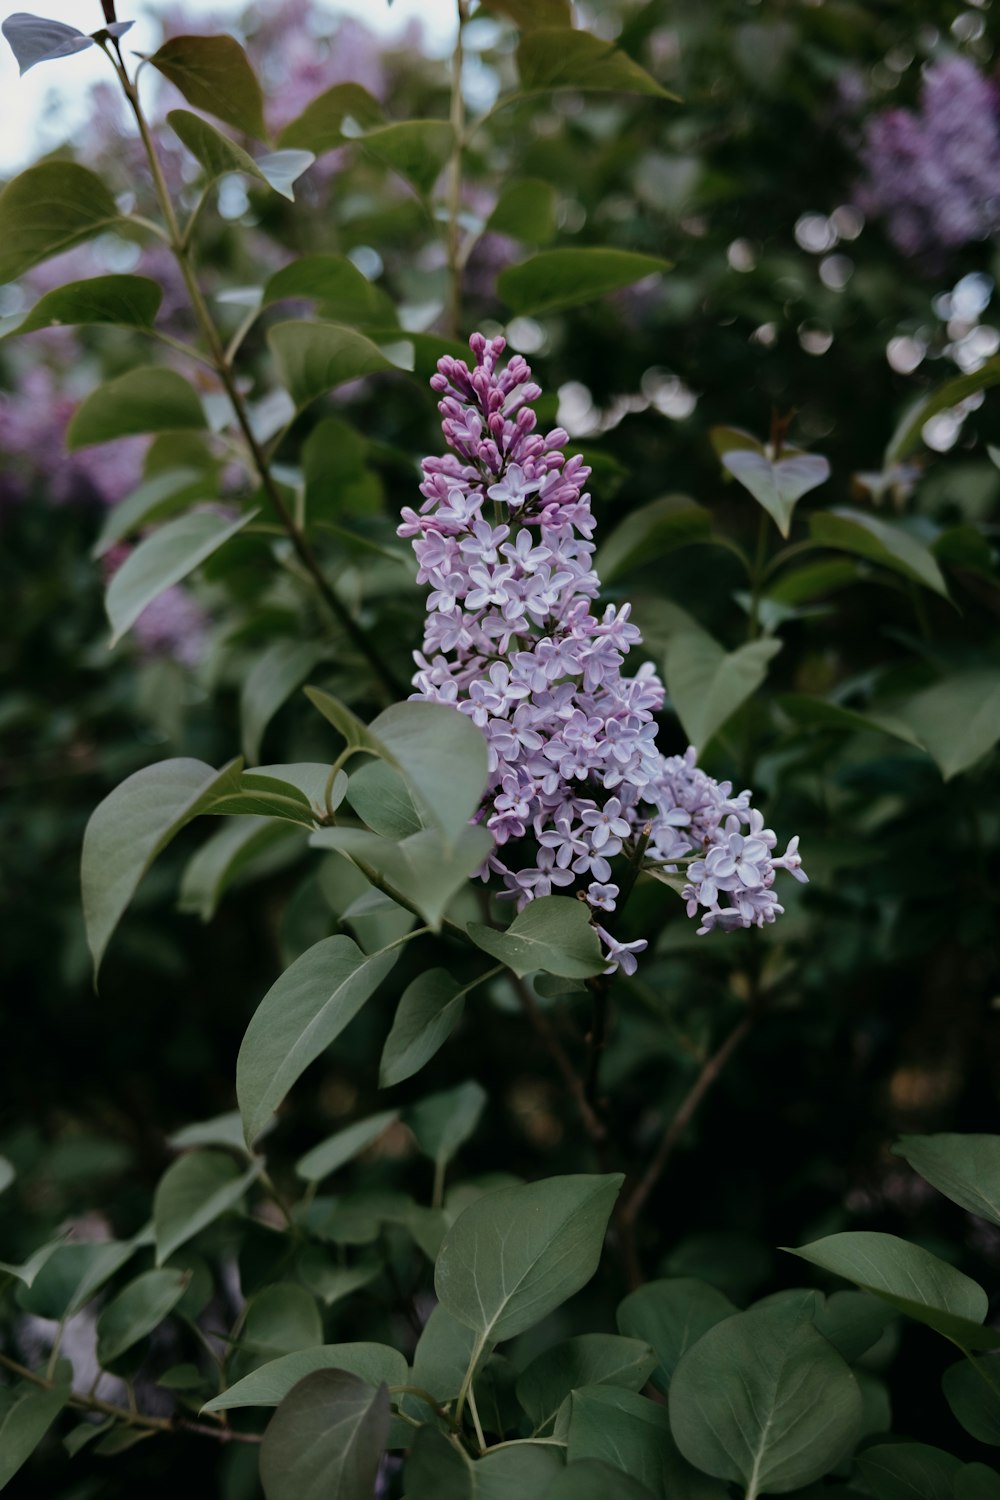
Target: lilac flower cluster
(504, 539)
(933, 174)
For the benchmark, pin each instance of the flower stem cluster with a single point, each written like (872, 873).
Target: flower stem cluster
(504, 539)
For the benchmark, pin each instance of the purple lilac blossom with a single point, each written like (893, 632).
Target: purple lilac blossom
(934, 174)
(504, 539)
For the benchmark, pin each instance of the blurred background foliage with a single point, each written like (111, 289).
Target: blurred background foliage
(814, 280)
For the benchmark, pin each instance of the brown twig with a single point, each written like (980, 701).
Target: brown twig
(635, 1199)
(546, 1034)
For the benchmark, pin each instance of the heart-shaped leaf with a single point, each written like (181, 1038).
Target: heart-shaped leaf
(213, 74)
(49, 209)
(777, 485)
(34, 39)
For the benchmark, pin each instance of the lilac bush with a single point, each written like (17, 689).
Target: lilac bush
(932, 174)
(505, 540)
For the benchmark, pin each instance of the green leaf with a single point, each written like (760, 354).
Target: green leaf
(49, 209)
(29, 1272)
(221, 1130)
(35, 39)
(136, 1311)
(293, 793)
(966, 1168)
(777, 486)
(280, 1319)
(343, 1147)
(219, 155)
(853, 1322)
(24, 1423)
(130, 828)
(530, 14)
(271, 1383)
(439, 1470)
(555, 279)
(274, 676)
(707, 684)
(866, 536)
(443, 756)
(515, 1254)
(651, 532)
(443, 1122)
(346, 723)
(977, 1482)
(762, 1398)
(907, 435)
(443, 1355)
(314, 358)
(672, 1315)
(129, 301)
(328, 1281)
(526, 210)
(157, 497)
(380, 797)
(552, 57)
(163, 559)
(326, 1439)
(319, 127)
(151, 399)
(424, 871)
(298, 1018)
(910, 1279)
(908, 1471)
(956, 721)
(71, 1275)
(972, 1390)
(193, 1192)
(213, 74)
(624, 1429)
(7, 1174)
(552, 933)
(225, 856)
(593, 1479)
(428, 1012)
(345, 294)
(589, 1359)
(416, 149)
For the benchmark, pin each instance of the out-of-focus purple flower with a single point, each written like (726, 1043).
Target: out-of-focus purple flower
(933, 174)
(503, 538)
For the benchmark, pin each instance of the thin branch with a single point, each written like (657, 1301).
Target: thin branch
(546, 1034)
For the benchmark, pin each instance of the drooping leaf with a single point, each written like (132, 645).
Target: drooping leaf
(908, 1471)
(707, 684)
(762, 1398)
(555, 279)
(650, 533)
(777, 485)
(957, 721)
(348, 1143)
(225, 856)
(25, 1422)
(129, 301)
(910, 1279)
(218, 155)
(152, 399)
(552, 933)
(270, 682)
(672, 1315)
(423, 871)
(442, 1123)
(380, 796)
(71, 1275)
(319, 127)
(515, 1254)
(49, 209)
(34, 39)
(131, 827)
(214, 74)
(907, 435)
(326, 1439)
(589, 1359)
(314, 358)
(220, 1130)
(267, 1386)
(966, 1168)
(880, 542)
(163, 559)
(525, 210)
(416, 149)
(301, 1014)
(136, 1311)
(429, 1010)
(346, 296)
(553, 57)
(156, 498)
(972, 1390)
(193, 1192)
